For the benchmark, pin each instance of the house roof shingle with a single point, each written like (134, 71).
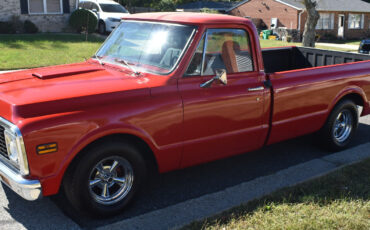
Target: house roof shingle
(325, 5)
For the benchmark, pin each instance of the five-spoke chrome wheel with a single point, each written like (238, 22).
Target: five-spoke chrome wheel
(343, 126)
(111, 180)
(105, 178)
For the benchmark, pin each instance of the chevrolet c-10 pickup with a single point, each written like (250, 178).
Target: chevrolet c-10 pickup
(167, 91)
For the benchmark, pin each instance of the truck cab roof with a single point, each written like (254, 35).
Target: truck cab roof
(189, 18)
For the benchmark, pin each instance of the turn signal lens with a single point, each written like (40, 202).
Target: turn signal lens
(47, 148)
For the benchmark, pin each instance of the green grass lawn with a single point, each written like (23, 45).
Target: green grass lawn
(27, 51)
(275, 43)
(340, 200)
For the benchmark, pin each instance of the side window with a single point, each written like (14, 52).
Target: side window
(227, 49)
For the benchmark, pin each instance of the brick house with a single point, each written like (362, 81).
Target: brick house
(338, 18)
(48, 15)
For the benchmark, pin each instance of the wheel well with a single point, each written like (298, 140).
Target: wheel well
(356, 98)
(101, 21)
(145, 150)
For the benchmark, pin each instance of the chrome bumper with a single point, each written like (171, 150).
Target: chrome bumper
(28, 189)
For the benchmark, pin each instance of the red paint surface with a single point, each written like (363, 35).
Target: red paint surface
(182, 123)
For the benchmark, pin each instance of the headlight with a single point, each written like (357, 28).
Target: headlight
(15, 146)
(114, 19)
(11, 145)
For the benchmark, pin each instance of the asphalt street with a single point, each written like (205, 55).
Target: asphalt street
(172, 188)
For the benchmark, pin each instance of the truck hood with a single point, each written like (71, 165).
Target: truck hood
(66, 88)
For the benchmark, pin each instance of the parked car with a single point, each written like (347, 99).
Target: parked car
(109, 13)
(164, 92)
(364, 47)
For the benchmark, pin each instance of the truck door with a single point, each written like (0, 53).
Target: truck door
(222, 120)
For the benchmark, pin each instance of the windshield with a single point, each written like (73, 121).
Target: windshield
(113, 8)
(147, 47)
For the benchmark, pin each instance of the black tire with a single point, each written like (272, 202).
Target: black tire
(336, 136)
(101, 28)
(84, 198)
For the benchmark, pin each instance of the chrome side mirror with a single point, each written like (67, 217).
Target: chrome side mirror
(221, 76)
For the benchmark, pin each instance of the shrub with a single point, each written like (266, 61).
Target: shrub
(7, 28)
(366, 34)
(17, 24)
(82, 20)
(30, 27)
(165, 5)
(259, 23)
(327, 37)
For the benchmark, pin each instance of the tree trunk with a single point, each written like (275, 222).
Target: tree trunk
(313, 16)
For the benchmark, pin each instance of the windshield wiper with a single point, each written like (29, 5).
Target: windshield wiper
(120, 60)
(99, 59)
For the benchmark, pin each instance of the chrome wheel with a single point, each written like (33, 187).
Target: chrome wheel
(111, 180)
(343, 126)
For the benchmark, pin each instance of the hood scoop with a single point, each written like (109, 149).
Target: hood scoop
(64, 71)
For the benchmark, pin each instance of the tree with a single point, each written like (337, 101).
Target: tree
(134, 3)
(313, 16)
(165, 5)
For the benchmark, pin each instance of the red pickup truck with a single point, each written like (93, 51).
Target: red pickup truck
(167, 91)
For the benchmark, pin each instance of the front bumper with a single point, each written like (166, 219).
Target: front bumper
(28, 189)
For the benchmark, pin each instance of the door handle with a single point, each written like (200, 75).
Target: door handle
(256, 89)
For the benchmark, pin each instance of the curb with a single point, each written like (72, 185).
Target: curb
(8, 71)
(181, 214)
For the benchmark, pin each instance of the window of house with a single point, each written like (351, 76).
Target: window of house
(227, 49)
(45, 6)
(326, 21)
(355, 21)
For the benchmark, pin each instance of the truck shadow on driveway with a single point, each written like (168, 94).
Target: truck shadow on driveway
(178, 186)
(43, 214)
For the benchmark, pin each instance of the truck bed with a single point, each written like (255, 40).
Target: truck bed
(290, 58)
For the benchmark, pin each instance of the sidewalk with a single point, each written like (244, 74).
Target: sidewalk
(343, 46)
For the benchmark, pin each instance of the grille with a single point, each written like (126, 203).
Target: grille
(3, 150)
